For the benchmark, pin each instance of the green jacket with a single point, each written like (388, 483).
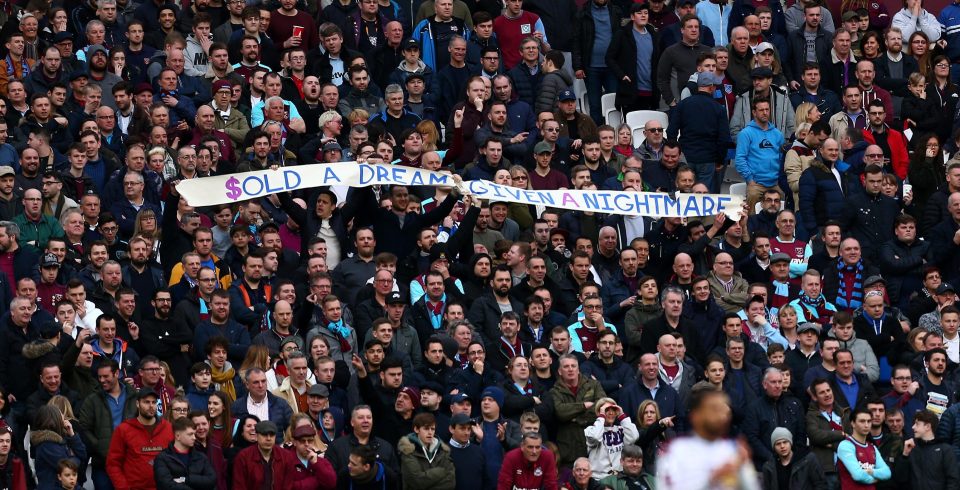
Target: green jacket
(96, 423)
(619, 482)
(422, 473)
(36, 234)
(573, 417)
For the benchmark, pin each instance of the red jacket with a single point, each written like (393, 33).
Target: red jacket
(132, 450)
(899, 158)
(248, 471)
(520, 474)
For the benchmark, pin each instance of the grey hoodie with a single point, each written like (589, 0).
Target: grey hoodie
(194, 58)
(862, 355)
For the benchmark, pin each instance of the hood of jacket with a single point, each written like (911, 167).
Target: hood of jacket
(422, 68)
(38, 437)
(36, 349)
(563, 76)
(411, 444)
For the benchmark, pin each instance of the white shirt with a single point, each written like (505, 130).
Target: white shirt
(689, 461)
(89, 321)
(261, 410)
(953, 348)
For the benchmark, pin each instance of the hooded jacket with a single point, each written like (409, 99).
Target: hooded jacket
(782, 112)
(132, 451)
(862, 355)
(758, 153)
(95, 422)
(47, 448)
(425, 468)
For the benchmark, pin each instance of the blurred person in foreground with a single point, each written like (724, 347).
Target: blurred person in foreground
(707, 458)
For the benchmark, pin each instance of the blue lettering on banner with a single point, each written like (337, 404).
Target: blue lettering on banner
(438, 179)
(329, 175)
(383, 173)
(366, 174)
(417, 179)
(477, 187)
(399, 175)
(693, 206)
(622, 203)
(606, 202)
(545, 197)
(709, 207)
(640, 201)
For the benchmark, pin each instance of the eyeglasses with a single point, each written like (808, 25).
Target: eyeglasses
(519, 177)
(208, 279)
(873, 155)
(109, 229)
(943, 65)
(551, 130)
(902, 378)
(654, 130)
(592, 307)
(180, 410)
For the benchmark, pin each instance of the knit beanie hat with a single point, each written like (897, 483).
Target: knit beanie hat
(414, 395)
(780, 433)
(493, 392)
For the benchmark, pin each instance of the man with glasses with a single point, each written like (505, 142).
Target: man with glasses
(125, 210)
(893, 143)
(906, 395)
(653, 139)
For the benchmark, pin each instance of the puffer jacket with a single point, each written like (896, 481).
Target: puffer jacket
(862, 355)
(550, 88)
(821, 196)
(903, 263)
(423, 471)
(823, 439)
(573, 417)
(197, 475)
(949, 428)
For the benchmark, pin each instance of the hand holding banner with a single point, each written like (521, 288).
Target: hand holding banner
(221, 189)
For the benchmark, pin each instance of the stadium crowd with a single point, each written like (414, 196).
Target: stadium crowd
(419, 338)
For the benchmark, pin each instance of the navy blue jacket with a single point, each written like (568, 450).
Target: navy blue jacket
(766, 414)
(279, 411)
(821, 197)
(237, 334)
(612, 377)
(703, 127)
(632, 395)
(525, 85)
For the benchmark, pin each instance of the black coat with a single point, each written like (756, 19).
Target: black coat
(798, 47)
(584, 33)
(310, 223)
(903, 263)
(622, 61)
(485, 314)
(896, 86)
(931, 465)
(870, 219)
(391, 235)
(766, 414)
(199, 474)
(805, 474)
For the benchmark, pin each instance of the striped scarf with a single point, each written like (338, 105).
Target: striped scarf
(854, 299)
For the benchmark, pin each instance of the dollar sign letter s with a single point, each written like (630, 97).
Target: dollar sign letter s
(233, 188)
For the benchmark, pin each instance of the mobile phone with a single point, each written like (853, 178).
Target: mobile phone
(907, 188)
(297, 31)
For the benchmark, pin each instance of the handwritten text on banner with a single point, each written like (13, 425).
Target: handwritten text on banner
(221, 189)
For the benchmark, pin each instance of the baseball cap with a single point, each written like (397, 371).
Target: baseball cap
(332, 146)
(566, 95)
(761, 72)
(266, 427)
(6, 170)
(459, 398)
(707, 79)
(305, 430)
(395, 298)
(850, 15)
(414, 76)
(141, 88)
(779, 257)
(221, 85)
(146, 392)
(62, 36)
(319, 390)
(49, 260)
(411, 44)
(764, 46)
(946, 288)
(438, 252)
(78, 74)
(460, 419)
(541, 147)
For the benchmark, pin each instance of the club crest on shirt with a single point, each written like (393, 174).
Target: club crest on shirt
(525, 28)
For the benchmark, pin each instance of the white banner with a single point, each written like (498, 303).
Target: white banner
(221, 189)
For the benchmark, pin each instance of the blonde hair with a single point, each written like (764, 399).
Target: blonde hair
(803, 110)
(63, 404)
(643, 407)
(598, 406)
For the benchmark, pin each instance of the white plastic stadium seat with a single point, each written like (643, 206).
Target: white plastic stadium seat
(739, 189)
(637, 119)
(608, 106)
(580, 90)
